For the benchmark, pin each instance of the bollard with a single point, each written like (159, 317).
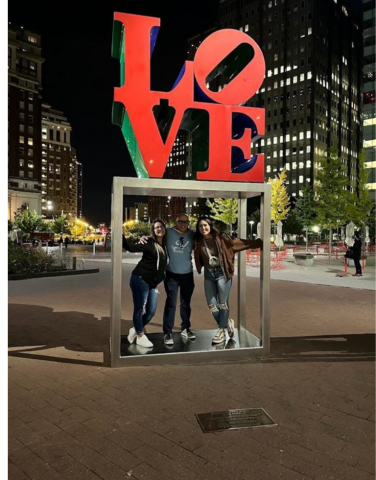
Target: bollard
(363, 264)
(74, 263)
(83, 263)
(61, 248)
(94, 248)
(345, 264)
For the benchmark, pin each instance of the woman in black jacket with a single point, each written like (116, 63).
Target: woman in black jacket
(149, 272)
(357, 253)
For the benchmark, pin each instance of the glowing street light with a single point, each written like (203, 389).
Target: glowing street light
(251, 222)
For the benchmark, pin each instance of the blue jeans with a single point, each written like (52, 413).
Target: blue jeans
(145, 301)
(217, 291)
(172, 283)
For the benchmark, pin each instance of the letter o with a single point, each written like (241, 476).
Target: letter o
(216, 48)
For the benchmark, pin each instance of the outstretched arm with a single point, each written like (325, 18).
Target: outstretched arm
(240, 244)
(134, 248)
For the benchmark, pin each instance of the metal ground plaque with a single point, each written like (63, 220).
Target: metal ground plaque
(234, 419)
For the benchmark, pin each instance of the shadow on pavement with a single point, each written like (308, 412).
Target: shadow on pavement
(323, 348)
(39, 332)
(73, 337)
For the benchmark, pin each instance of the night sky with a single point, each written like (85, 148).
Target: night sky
(79, 75)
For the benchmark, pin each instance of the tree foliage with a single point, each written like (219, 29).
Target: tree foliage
(224, 210)
(280, 202)
(360, 207)
(292, 225)
(305, 208)
(332, 197)
(60, 225)
(28, 221)
(135, 230)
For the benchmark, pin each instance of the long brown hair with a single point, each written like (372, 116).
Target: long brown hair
(198, 235)
(161, 248)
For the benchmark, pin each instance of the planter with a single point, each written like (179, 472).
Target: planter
(303, 258)
(59, 273)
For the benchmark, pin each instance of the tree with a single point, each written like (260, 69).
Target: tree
(332, 196)
(361, 206)
(135, 230)
(280, 203)
(224, 210)
(60, 225)
(305, 210)
(28, 221)
(292, 225)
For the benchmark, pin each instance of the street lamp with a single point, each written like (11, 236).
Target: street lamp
(251, 223)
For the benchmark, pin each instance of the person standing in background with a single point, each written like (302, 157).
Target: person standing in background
(357, 253)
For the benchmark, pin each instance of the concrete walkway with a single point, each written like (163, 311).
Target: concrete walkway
(71, 417)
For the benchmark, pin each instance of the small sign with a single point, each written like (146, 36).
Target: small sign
(234, 419)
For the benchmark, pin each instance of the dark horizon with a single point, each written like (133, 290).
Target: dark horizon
(79, 76)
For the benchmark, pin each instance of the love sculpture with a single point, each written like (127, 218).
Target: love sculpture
(208, 100)
(150, 120)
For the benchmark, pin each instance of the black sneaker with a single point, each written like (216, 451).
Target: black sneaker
(187, 333)
(168, 340)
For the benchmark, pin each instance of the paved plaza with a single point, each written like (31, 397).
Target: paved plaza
(73, 417)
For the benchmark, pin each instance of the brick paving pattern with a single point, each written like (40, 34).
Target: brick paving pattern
(71, 417)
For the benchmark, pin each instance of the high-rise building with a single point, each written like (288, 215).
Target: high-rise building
(369, 112)
(168, 208)
(139, 212)
(59, 166)
(313, 83)
(79, 186)
(24, 120)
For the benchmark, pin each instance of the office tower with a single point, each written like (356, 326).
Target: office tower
(369, 113)
(167, 208)
(312, 88)
(59, 166)
(79, 186)
(24, 120)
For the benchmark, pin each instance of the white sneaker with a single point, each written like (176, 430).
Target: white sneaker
(187, 333)
(132, 335)
(220, 336)
(144, 341)
(231, 327)
(168, 340)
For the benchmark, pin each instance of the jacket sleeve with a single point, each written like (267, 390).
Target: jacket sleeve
(139, 247)
(240, 244)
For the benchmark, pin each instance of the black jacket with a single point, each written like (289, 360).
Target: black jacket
(357, 248)
(152, 265)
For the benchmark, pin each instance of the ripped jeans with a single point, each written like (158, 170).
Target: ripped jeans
(217, 291)
(145, 300)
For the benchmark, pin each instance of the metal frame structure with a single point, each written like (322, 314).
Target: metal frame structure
(201, 189)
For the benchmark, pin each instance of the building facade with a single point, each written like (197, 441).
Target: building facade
(168, 208)
(24, 120)
(139, 212)
(313, 84)
(59, 165)
(369, 113)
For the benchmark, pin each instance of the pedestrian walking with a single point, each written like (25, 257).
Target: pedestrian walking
(149, 272)
(215, 252)
(357, 253)
(179, 277)
(66, 241)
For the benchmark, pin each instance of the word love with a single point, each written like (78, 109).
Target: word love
(220, 123)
